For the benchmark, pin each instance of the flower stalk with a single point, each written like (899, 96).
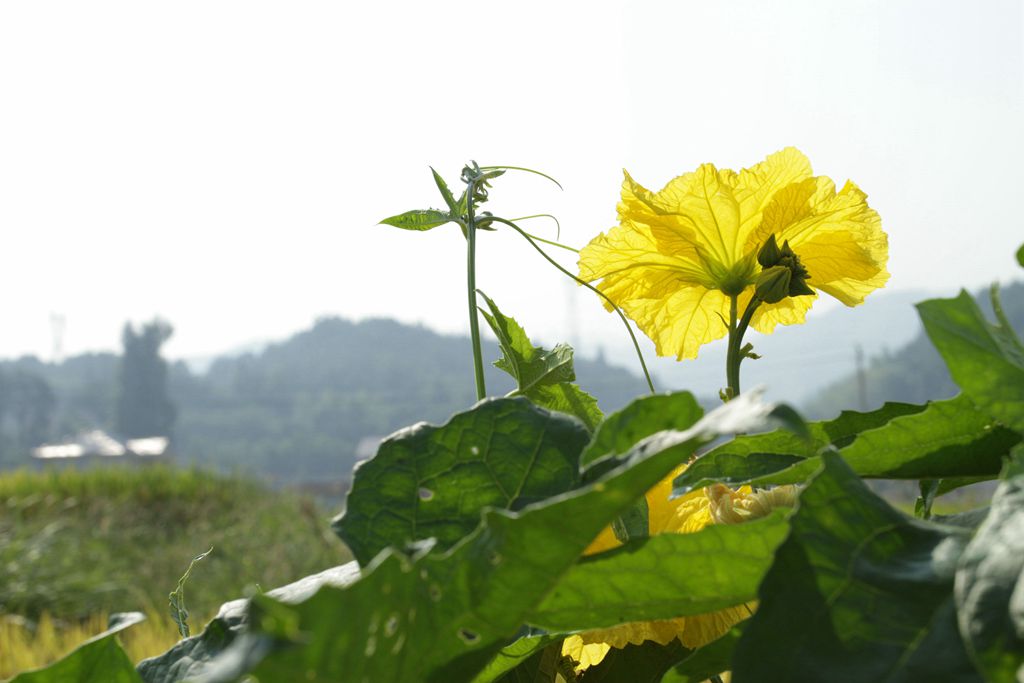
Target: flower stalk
(736, 351)
(474, 321)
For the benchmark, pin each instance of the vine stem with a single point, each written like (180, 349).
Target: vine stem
(736, 331)
(474, 321)
(556, 264)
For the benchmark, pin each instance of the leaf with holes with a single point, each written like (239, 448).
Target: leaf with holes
(433, 482)
(443, 616)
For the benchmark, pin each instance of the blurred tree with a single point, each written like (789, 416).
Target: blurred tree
(143, 405)
(26, 412)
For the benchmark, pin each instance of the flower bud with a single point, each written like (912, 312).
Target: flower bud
(782, 274)
(773, 284)
(769, 255)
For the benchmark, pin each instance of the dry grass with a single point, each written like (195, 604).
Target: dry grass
(30, 645)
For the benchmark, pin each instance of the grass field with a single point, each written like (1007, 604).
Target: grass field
(76, 546)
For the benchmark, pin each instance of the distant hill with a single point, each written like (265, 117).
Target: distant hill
(298, 409)
(914, 373)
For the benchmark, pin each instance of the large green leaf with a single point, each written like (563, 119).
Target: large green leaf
(442, 616)
(647, 415)
(858, 592)
(985, 360)
(433, 482)
(545, 377)
(664, 576)
(838, 433)
(98, 660)
(419, 219)
(191, 657)
(948, 438)
(990, 586)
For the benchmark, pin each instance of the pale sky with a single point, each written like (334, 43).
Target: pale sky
(224, 164)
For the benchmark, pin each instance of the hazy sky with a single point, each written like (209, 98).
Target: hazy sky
(224, 164)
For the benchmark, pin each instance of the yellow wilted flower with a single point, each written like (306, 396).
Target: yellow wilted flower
(690, 513)
(680, 255)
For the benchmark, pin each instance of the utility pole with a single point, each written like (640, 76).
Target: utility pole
(862, 379)
(58, 324)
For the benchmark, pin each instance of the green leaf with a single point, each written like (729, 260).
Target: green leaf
(647, 415)
(985, 360)
(442, 187)
(948, 439)
(941, 439)
(176, 600)
(777, 451)
(664, 576)
(633, 523)
(1020, 256)
(443, 616)
(990, 586)
(420, 219)
(622, 430)
(545, 377)
(838, 433)
(858, 592)
(98, 660)
(433, 482)
(190, 658)
(517, 654)
(531, 366)
(568, 398)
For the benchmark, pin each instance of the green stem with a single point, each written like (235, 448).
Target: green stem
(735, 352)
(556, 264)
(474, 321)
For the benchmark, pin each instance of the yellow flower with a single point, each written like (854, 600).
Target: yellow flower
(678, 255)
(692, 512)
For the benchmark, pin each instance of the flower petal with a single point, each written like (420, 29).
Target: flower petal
(679, 317)
(790, 311)
(837, 236)
(698, 209)
(586, 654)
(755, 186)
(627, 254)
(666, 514)
(700, 630)
(663, 294)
